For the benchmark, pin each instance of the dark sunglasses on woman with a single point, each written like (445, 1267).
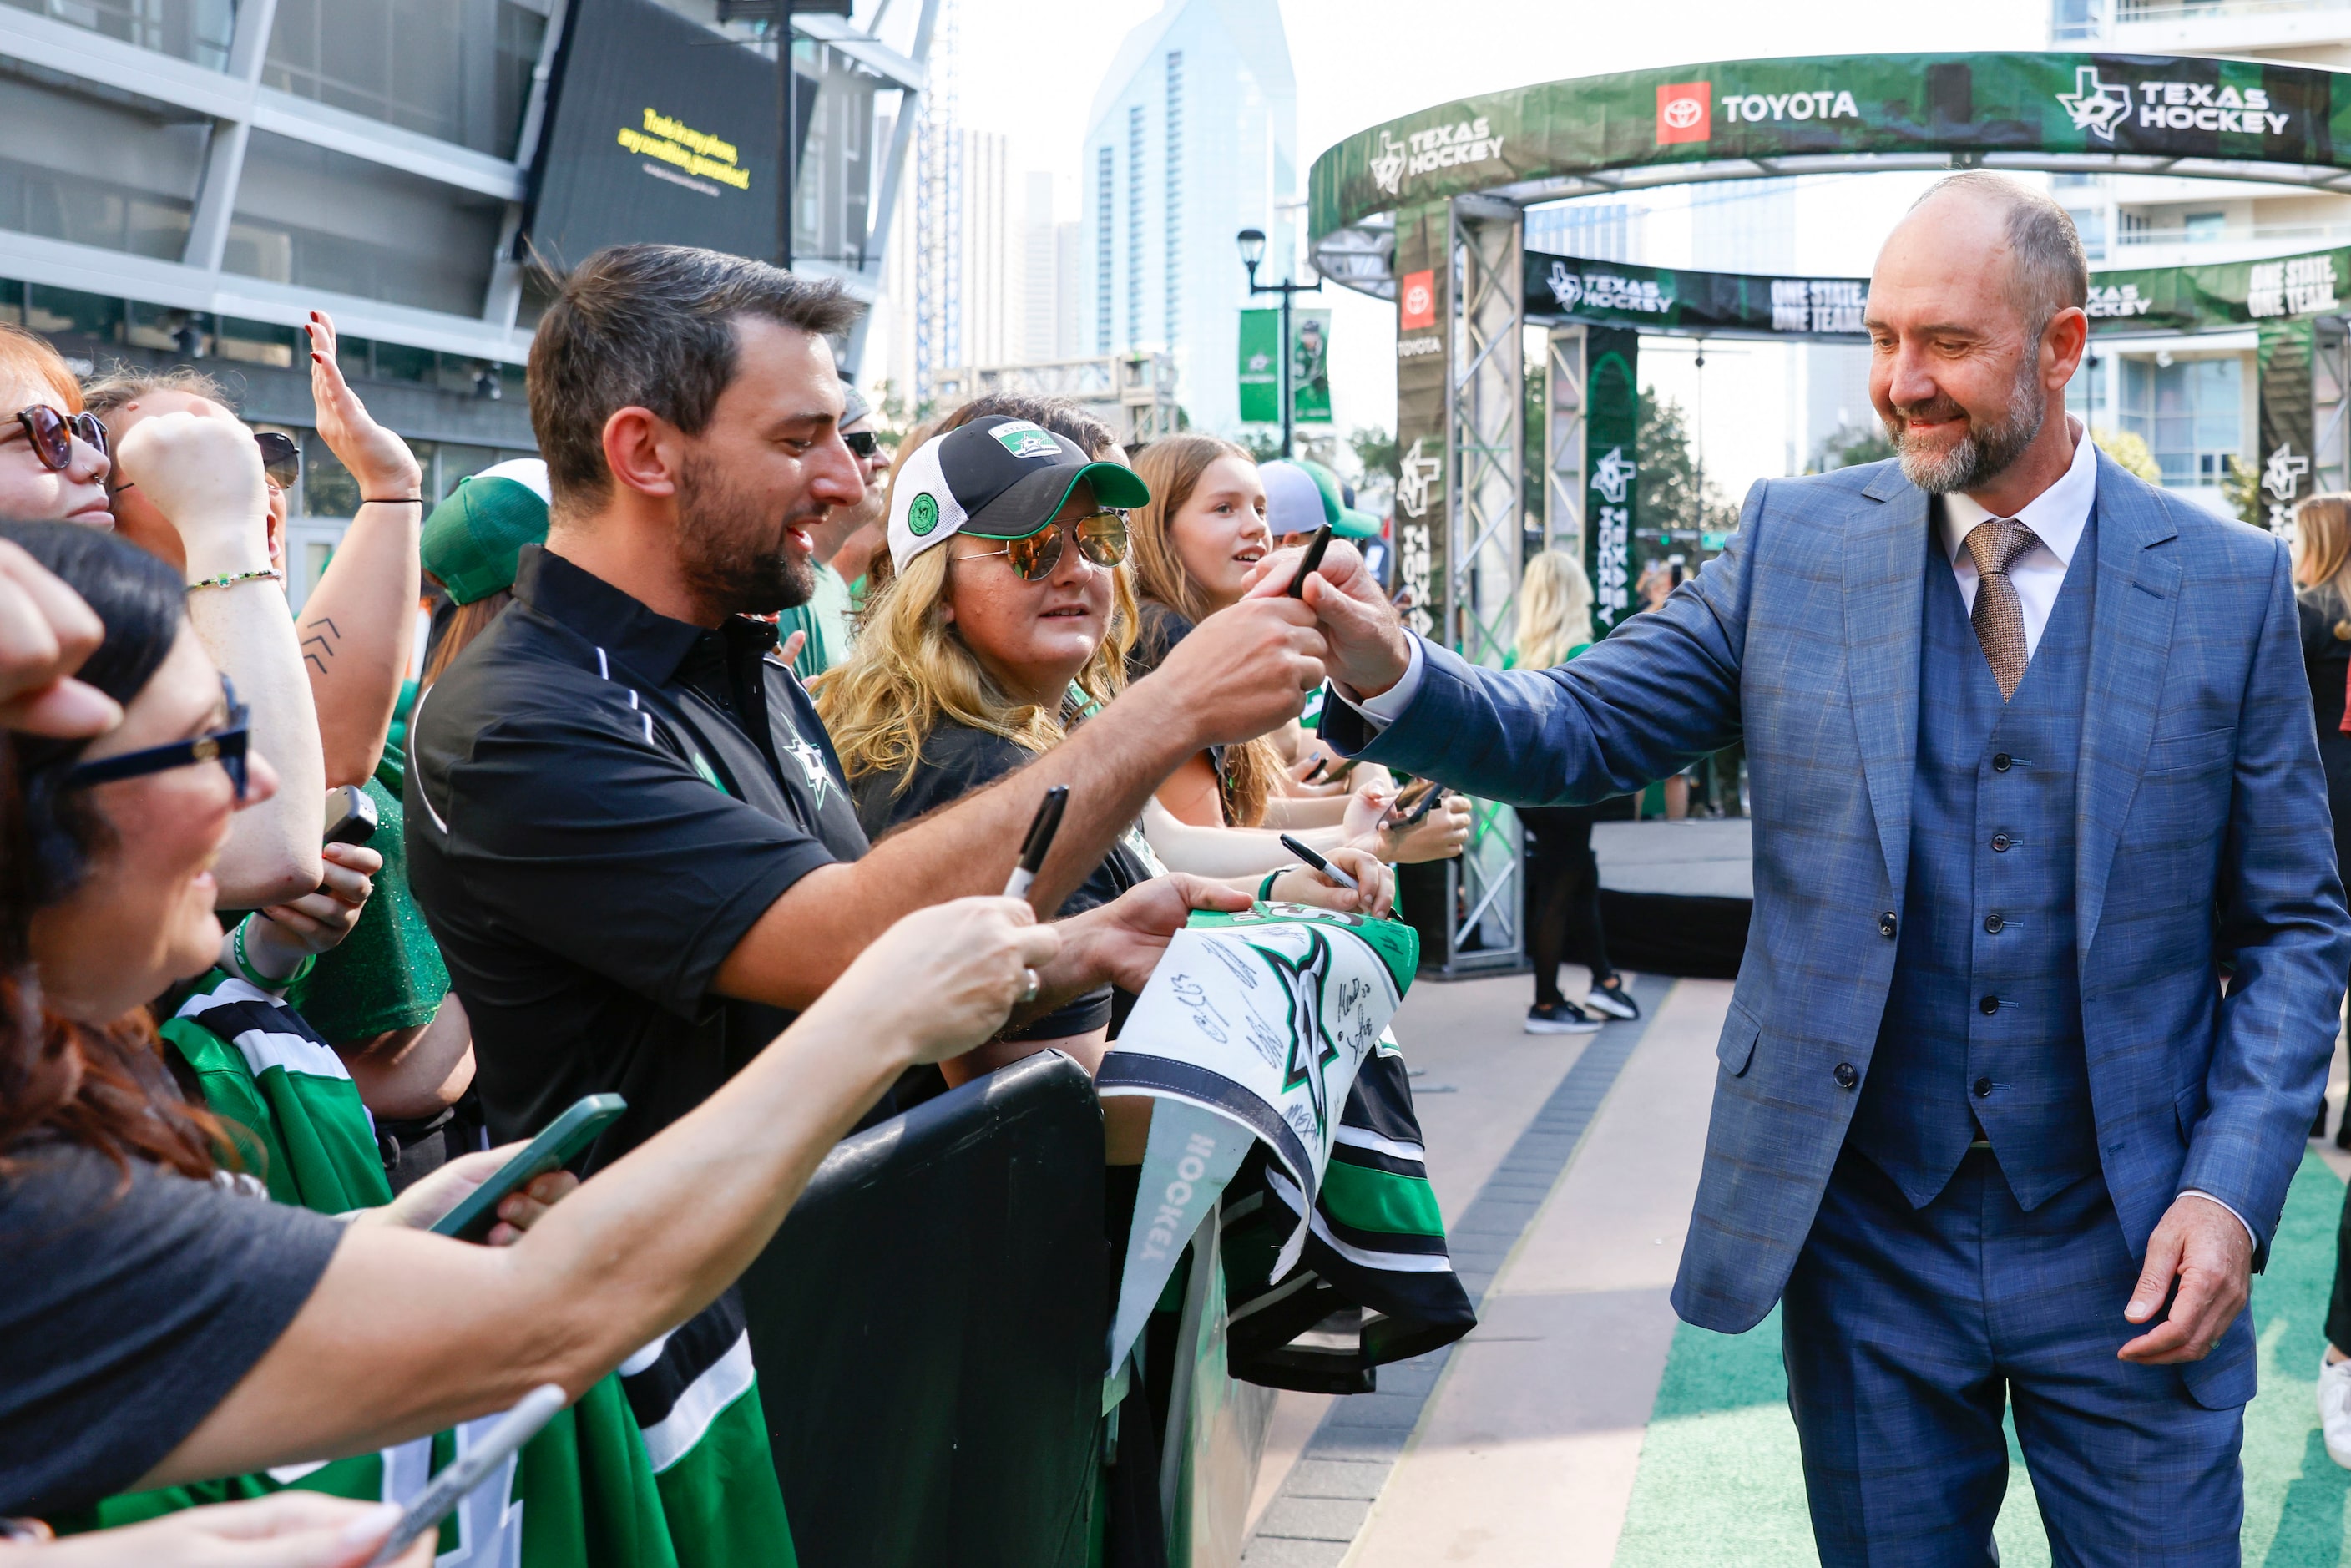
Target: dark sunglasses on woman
(225, 745)
(281, 457)
(52, 434)
(1101, 539)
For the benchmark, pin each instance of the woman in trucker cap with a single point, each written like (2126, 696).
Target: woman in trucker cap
(1006, 621)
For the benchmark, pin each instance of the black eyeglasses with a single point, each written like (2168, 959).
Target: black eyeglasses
(862, 444)
(1101, 539)
(281, 457)
(52, 434)
(225, 745)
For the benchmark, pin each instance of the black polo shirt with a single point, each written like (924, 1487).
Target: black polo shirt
(601, 802)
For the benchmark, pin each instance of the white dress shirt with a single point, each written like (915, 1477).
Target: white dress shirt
(2057, 516)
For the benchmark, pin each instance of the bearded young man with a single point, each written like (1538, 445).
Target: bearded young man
(627, 828)
(2033, 763)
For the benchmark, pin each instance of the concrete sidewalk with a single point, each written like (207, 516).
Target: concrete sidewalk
(1528, 1451)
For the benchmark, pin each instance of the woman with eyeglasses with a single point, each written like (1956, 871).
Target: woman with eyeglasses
(159, 1327)
(1004, 623)
(53, 454)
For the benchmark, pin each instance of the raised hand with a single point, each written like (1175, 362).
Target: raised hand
(381, 463)
(1245, 670)
(945, 977)
(203, 472)
(1367, 650)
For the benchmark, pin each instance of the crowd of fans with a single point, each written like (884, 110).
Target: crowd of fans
(729, 722)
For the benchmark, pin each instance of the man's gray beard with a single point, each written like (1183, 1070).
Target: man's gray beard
(1983, 454)
(731, 552)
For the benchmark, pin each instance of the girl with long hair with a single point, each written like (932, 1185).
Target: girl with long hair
(1562, 877)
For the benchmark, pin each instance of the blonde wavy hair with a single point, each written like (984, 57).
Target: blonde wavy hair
(909, 671)
(2321, 546)
(1173, 467)
(1554, 610)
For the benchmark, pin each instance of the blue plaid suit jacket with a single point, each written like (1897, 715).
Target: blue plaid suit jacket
(2204, 838)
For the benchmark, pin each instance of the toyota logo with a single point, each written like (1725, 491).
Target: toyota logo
(1682, 112)
(1416, 300)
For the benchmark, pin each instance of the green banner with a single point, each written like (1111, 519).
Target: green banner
(1679, 300)
(1424, 331)
(2215, 298)
(2288, 418)
(1309, 367)
(2223, 118)
(1260, 371)
(1611, 428)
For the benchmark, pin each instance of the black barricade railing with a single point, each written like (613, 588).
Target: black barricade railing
(929, 1328)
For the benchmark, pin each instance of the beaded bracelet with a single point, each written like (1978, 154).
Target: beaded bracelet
(236, 946)
(231, 578)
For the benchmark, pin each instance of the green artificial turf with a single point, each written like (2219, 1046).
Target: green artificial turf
(1721, 1481)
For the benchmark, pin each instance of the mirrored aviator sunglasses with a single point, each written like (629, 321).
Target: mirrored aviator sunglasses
(52, 434)
(225, 745)
(1101, 539)
(281, 458)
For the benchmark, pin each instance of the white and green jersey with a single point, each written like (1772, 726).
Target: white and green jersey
(663, 1464)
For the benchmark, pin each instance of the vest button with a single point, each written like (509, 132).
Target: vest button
(1887, 926)
(1999, 761)
(1993, 924)
(1844, 1075)
(2000, 842)
(1988, 1006)
(1983, 1088)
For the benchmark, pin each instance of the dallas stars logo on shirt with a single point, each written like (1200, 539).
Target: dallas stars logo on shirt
(1312, 1050)
(818, 777)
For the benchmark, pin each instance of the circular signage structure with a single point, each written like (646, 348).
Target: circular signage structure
(1741, 119)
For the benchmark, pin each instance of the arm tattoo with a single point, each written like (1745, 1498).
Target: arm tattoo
(320, 647)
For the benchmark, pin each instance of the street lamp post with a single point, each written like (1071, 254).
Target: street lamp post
(1252, 249)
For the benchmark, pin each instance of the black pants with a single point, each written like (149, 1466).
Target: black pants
(1562, 896)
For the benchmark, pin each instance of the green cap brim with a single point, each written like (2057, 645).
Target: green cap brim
(1116, 484)
(1352, 524)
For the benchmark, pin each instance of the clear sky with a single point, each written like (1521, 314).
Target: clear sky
(1030, 68)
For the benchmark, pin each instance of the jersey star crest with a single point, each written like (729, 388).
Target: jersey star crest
(1312, 1048)
(812, 768)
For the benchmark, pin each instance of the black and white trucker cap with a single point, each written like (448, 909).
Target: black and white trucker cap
(997, 477)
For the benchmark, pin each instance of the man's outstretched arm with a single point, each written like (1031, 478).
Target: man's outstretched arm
(1240, 673)
(1658, 693)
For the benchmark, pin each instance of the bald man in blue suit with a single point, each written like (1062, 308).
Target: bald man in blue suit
(2042, 985)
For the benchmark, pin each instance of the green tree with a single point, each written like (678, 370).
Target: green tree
(1264, 445)
(1671, 500)
(1376, 450)
(1851, 445)
(2241, 486)
(2129, 451)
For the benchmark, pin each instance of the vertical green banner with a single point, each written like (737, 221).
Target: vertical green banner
(1260, 371)
(1309, 367)
(1424, 337)
(1612, 424)
(2288, 417)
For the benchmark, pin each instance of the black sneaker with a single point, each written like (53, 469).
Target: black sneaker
(1613, 999)
(1561, 1018)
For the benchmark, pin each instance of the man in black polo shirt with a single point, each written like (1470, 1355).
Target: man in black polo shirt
(626, 825)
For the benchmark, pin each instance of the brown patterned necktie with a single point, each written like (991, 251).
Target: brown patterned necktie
(1999, 613)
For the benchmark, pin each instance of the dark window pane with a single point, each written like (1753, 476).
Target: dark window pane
(327, 488)
(69, 310)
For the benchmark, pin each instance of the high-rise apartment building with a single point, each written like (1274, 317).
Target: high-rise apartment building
(1193, 137)
(2193, 399)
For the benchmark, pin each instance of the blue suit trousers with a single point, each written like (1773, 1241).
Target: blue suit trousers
(1908, 1330)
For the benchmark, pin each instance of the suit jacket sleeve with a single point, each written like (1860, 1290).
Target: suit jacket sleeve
(1655, 695)
(2283, 930)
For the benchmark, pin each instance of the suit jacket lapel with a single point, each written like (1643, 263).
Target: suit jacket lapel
(1882, 557)
(2130, 644)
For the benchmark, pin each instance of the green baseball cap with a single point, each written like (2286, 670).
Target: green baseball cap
(1345, 521)
(472, 537)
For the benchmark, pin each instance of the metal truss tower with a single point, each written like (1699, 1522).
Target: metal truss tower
(938, 217)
